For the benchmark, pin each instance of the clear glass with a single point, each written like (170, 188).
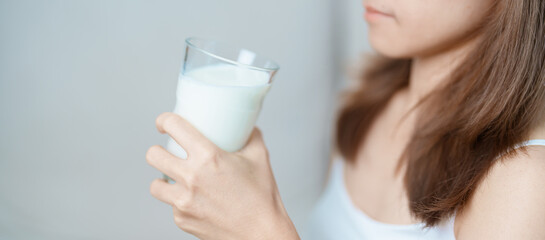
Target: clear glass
(220, 91)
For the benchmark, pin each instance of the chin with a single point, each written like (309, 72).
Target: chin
(390, 49)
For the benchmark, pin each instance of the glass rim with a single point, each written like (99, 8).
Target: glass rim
(189, 43)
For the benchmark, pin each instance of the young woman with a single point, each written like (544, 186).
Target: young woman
(443, 138)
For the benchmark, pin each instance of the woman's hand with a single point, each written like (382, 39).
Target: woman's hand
(218, 194)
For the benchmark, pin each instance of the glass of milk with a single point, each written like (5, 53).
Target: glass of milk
(220, 92)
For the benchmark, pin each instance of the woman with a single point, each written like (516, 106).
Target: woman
(442, 139)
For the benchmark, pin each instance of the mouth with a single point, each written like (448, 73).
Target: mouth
(373, 14)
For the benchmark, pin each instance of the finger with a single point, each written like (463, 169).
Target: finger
(184, 133)
(182, 220)
(255, 145)
(163, 191)
(166, 162)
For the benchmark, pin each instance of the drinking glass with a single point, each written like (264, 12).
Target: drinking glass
(220, 91)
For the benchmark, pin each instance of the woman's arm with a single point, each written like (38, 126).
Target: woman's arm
(510, 202)
(218, 194)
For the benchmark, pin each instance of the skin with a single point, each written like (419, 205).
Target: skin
(371, 181)
(218, 194)
(221, 195)
(508, 204)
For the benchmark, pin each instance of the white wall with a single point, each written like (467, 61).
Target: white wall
(81, 83)
(349, 38)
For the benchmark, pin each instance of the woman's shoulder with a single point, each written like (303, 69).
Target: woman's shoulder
(508, 203)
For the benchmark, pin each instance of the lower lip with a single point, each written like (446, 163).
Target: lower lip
(374, 16)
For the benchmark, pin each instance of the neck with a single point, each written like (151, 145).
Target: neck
(427, 72)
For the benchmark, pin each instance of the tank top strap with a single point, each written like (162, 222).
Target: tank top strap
(540, 142)
(532, 142)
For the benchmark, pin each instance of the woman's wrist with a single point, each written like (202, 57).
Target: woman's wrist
(289, 232)
(277, 226)
(286, 229)
(280, 228)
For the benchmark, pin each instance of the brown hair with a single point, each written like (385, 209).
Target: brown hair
(488, 105)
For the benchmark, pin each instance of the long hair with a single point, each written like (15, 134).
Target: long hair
(490, 103)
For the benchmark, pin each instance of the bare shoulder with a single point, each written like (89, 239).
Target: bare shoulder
(510, 201)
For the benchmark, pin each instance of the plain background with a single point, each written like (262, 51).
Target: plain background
(81, 83)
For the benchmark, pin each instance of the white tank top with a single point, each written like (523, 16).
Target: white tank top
(335, 217)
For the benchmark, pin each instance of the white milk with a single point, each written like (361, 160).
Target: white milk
(222, 102)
